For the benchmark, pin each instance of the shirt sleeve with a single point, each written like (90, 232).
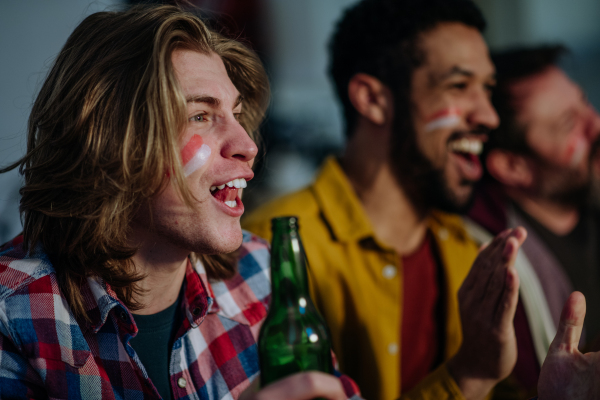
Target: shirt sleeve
(18, 379)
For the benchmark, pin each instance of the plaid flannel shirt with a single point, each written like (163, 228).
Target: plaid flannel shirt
(46, 353)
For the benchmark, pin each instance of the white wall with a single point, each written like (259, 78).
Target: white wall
(32, 32)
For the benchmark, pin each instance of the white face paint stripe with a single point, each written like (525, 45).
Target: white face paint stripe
(194, 154)
(578, 153)
(443, 122)
(446, 118)
(197, 161)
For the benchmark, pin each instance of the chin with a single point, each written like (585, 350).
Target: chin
(228, 239)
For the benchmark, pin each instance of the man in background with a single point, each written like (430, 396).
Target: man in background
(540, 164)
(387, 255)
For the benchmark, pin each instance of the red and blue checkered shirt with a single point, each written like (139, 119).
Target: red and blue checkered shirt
(45, 352)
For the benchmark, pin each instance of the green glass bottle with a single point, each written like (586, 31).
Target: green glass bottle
(294, 336)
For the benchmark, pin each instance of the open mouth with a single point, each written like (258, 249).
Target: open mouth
(227, 193)
(466, 151)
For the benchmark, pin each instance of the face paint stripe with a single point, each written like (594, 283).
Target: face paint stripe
(444, 113)
(194, 154)
(197, 161)
(445, 118)
(444, 122)
(191, 147)
(578, 152)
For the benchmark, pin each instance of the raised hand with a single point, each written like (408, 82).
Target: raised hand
(488, 299)
(567, 373)
(302, 386)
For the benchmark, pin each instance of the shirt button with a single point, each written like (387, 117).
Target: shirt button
(443, 233)
(389, 271)
(181, 382)
(123, 316)
(392, 348)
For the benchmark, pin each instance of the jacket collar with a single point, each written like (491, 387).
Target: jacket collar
(340, 205)
(347, 219)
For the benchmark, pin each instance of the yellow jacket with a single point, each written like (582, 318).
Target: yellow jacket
(356, 282)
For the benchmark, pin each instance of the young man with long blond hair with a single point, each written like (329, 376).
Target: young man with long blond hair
(139, 142)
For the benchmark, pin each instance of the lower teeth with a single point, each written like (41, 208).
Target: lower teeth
(231, 203)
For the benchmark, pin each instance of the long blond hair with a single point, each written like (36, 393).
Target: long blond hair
(102, 132)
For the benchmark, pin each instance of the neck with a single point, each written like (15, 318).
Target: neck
(395, 220)
(163, 267)
(557, 218)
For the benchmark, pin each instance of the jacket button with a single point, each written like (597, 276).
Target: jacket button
(443, 233)
(181, 382)
(196, 311)
(389, 272)
(392, 348)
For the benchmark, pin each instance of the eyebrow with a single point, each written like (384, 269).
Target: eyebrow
(456, 70)
(212, 101)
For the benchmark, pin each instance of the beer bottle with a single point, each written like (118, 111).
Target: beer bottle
(294, 336)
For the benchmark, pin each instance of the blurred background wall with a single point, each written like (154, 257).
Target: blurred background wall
(304, 121)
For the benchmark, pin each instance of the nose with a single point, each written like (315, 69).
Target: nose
(238, 144)
(482, 112)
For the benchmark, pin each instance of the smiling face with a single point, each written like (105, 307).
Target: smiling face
(452, 111)
(216, 153)
(561, 127)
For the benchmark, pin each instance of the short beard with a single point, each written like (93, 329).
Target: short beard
(562, 186)
(424, 184)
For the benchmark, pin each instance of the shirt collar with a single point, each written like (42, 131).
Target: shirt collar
(100, 299)
(340, 204)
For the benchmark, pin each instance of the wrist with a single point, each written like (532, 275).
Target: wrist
(471, 383)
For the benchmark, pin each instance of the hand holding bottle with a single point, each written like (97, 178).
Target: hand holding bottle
(301, 386)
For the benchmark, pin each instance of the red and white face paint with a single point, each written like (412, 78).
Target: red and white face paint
(576, 150)
(446, 118)
(194, 155)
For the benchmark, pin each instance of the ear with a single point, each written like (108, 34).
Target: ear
(371, 98)
(508, 168)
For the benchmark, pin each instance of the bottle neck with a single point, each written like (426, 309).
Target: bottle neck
(289, 281)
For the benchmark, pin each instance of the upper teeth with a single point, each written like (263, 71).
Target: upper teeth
(466, 145)
(237, 183)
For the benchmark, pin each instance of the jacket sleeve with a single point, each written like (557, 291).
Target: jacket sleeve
(18, 379)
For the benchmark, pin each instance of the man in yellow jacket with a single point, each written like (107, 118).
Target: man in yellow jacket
(414, 78)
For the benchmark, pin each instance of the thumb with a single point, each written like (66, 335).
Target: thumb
(571, 324)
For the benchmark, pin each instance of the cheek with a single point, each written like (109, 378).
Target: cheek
(194, 154)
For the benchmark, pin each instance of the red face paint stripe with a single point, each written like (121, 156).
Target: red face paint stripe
(444, 113)
(191, 148)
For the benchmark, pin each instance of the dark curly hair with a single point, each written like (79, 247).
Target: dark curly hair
(380, 38)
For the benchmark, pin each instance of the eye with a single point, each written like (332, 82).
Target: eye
(198, 118)
(237, 116)
(459, 85)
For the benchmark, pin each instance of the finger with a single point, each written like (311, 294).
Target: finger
(303, 386)
(505, 312)
(248, 394)
(488, 280)
(482, 266)
(520, 233)
(570, 325)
